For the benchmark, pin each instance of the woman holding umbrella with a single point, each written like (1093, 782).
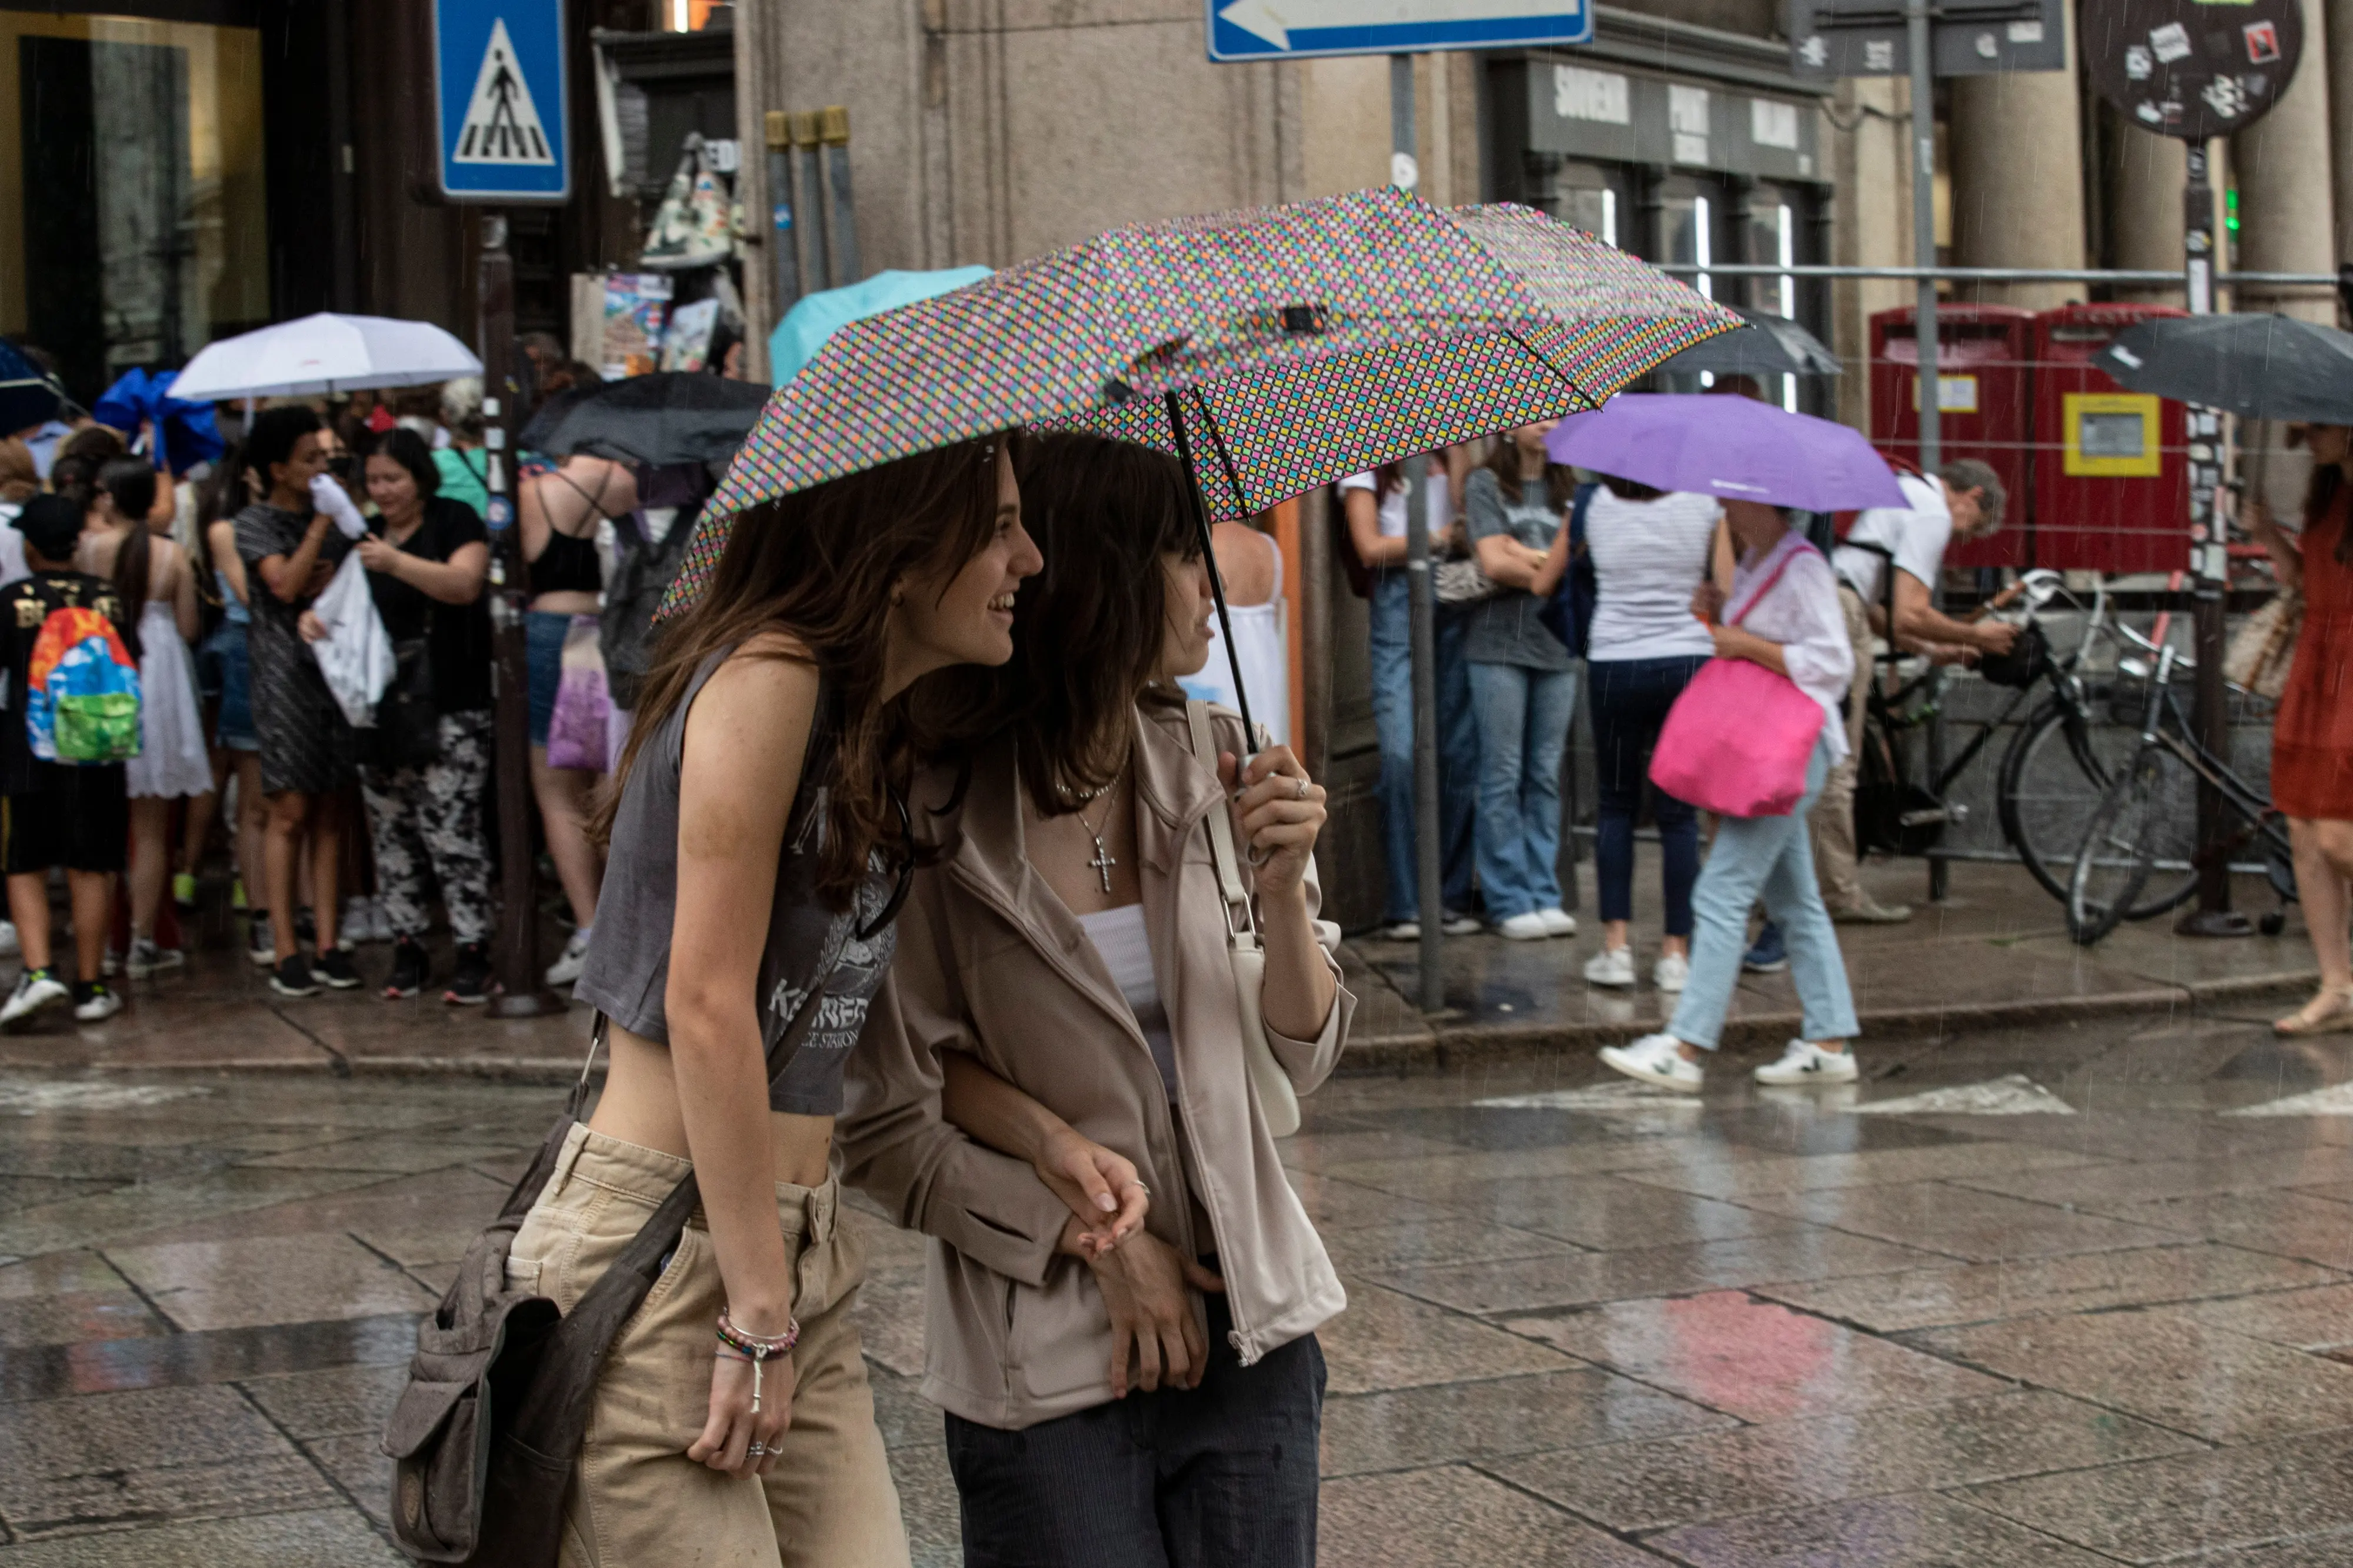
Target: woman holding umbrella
(761, 817)
(1066, 965)
(2312, 735)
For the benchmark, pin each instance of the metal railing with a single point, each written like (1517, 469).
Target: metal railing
(2120, 278)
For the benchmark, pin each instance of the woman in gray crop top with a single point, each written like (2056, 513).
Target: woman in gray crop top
(755, 848)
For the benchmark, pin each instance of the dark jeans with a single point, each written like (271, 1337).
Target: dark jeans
(1222, 1476)
(1630, 698)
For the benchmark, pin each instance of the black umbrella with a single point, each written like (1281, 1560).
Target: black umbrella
(1768, 345)
(670, 416)
(28, 394)
(2258, 367)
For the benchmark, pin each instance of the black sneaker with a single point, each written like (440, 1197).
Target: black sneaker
(95, 1001)
(409, 970)
(259, 946)
(334, 966)
(470, 986)
(293, 978)
(306, 929)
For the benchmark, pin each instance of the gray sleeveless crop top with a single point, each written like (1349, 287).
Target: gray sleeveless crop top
(809, 946)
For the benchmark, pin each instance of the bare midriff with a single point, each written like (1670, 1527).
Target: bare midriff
(563, 601)
(639, 1106)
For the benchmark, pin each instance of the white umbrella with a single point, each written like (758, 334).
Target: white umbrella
(325, 354)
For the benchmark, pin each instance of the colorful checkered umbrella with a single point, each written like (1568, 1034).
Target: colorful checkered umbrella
(1297, 345)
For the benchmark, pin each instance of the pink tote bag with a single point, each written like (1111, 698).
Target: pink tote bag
(1739, 740)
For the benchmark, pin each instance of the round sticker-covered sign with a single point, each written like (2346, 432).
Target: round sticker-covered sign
(2191, 68)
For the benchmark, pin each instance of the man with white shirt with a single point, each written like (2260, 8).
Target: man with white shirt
(1966, 502)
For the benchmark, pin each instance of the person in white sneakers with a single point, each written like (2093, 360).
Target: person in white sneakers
(1522, 682)
(1783, 614)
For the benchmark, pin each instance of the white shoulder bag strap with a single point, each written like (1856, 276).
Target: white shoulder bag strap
(1278, 1100)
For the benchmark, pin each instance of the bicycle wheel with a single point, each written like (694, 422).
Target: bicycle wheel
(2049, 784)
(2118, 851)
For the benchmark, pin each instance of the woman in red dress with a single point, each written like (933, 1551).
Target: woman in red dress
(2312, 735)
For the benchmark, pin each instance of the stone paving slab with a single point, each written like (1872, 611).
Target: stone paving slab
(1518, 1380)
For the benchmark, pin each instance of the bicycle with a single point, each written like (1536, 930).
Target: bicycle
(2144, 803)
(2052, 774)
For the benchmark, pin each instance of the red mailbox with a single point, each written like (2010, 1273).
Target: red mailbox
(2111, 468)
(1981, 364)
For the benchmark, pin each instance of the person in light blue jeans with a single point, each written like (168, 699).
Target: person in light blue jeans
(1375, 506)
(1782, 613)
(1523, 681)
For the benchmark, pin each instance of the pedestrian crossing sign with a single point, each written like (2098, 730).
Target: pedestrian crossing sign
(498, 67)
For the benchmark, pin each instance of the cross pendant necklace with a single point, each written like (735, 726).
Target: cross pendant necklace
(1103, 862)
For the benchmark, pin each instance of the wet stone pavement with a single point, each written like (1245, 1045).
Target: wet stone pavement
(2073, 1295)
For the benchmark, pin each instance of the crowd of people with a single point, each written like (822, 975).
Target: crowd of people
(1669, 581)
(338, 834)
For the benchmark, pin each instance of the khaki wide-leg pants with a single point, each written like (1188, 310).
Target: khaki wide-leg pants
(636, 1500)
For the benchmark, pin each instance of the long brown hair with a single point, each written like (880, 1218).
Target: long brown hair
(1086, 631)
(2320, 494)
(821, 565)
(1503, 462)
(130, 483)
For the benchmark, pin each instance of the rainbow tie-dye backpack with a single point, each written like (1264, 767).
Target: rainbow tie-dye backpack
(82, 696)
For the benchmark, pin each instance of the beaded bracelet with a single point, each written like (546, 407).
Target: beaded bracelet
(757, 1349)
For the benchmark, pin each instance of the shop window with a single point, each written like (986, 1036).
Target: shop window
(132, 218)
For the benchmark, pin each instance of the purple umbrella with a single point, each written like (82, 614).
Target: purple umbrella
(1735, 448)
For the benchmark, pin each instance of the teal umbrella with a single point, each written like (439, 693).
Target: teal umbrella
(818, 316)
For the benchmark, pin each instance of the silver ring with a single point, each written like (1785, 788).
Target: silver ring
(1302, 789)
(757, 1450)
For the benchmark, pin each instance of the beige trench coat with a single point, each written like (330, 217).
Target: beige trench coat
(991, 962)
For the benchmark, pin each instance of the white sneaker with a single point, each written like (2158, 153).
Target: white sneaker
(1672, 972)
(1402, 931)
(1805, 1062)
(36, 989)
(570, 961)
(1557, 922)
(1529, 927)
(1453, 922)
(1610, 966)
(101, 1004)
(7, 939)
(1655, 1059)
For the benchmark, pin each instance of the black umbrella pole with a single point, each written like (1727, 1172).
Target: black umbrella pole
(516, 959)
(1217, 583)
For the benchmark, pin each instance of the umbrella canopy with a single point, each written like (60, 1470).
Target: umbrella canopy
(323, 353)
(28, 394)
(1298, 344)
(670, 417)
(1768, 346)
(1735, 449)
(2256, 366)
(818, 316)
(183, 432)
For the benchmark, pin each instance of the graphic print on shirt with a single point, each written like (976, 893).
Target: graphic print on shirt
(848, 989)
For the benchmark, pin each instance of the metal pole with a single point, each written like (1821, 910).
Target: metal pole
(809, 201)
(1405, 173)
(840, 210)
(1930, 380)
(784, 236)
(2210, 563)
(520, 993)
(1175, 404)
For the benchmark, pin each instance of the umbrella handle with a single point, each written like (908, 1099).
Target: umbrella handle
(1217, 584)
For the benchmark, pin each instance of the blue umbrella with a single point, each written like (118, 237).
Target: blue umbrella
(818, 316)
(1735, 449)
(28, 394)
(183, 432)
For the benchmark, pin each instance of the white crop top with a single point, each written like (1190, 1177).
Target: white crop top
(1126, 949)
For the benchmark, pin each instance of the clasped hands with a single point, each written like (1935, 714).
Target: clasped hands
(1143, 1280)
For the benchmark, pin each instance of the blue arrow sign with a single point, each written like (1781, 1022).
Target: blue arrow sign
(1287, 30)
(498, 80)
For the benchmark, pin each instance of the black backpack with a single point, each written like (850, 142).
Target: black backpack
(640, 577)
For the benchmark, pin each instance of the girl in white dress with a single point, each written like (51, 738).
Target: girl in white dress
(1251, 566)
(127, 541)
